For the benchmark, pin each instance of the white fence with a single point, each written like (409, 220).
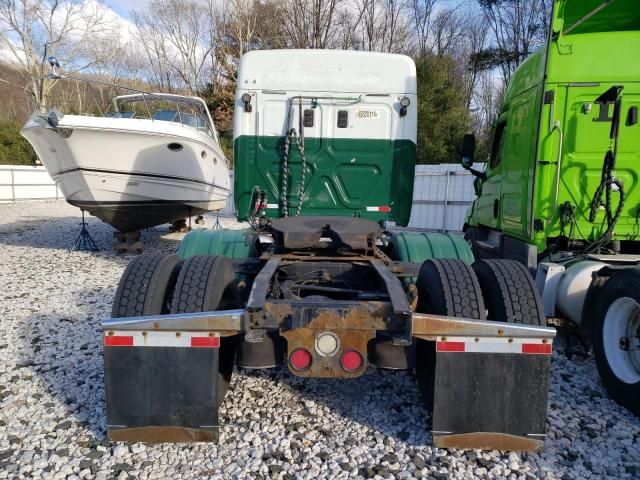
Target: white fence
(26, 183)
(441, 193)
(441, 196)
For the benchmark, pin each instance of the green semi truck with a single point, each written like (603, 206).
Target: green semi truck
(325, 148)
(560, 192)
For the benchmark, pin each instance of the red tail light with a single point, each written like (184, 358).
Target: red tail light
(300, 359)
(351, 360)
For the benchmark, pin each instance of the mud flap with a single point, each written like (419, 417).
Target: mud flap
(489, 399)
(161, 393)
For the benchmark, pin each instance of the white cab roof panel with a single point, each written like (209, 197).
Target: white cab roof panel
(327, 71)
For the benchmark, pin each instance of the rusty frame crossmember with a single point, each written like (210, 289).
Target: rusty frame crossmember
(233, 322)
(394, 316)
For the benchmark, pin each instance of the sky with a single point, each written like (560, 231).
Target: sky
(123, 7)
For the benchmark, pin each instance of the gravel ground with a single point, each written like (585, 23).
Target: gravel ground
(52, 417)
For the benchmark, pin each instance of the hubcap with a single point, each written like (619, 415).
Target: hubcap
(620, 339)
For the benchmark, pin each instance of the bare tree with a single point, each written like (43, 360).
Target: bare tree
(310, 23)
(422, 11)
(475, 40)
(518, 27)
(385, 25)
(81, 35)
(347, 23)
(176, 35)
(152, 43)
(447, 31)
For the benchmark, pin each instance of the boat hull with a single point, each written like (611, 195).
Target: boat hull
(132, 216)
(132, 173)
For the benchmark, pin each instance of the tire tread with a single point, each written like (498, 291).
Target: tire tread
(510, 292)
(144, 278)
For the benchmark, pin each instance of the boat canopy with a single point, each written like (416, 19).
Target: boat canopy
(176, 115)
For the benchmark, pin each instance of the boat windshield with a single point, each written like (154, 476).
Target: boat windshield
(120, 114)
(183, 118)
(96, 98)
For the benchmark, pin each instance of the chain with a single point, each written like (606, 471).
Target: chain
(303, 165)
(285, 172)
(292, 135)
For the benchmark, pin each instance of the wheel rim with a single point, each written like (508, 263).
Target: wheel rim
(621, 322)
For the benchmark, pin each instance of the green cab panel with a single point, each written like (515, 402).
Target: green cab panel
(230, 243)
(368, 178)
(552, 134)
(416, 247)
(340, 124)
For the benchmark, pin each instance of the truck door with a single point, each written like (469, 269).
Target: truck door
(518, 164)
(280, 113)
(487, 209)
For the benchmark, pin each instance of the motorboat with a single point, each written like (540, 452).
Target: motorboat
(146, 160)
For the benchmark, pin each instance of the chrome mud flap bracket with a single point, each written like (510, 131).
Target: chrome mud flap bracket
(486, 383)
(162, 376)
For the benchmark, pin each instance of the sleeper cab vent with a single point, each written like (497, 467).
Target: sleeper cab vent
(308, 118)
(343, 119)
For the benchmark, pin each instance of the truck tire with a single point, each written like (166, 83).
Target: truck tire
(509, 292)
(449, 287)
(201, 287)
(146, 286)
(445, 287)
(616, 337)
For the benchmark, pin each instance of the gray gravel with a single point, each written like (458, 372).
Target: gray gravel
(52, 417)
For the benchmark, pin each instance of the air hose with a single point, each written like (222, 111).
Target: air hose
(608, 179)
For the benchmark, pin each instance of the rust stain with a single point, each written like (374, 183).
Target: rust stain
(280, 311)
(433, 326)
(355, 318)
(162, 434)
(364, 315)
(488, 441)
(412, 297)
(329, 367)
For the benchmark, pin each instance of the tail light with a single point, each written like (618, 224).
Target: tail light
(351, 360)
(300, 359)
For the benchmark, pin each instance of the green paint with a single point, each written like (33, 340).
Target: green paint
(416, 247)
(343, 176)
(600, 53)
(230, 243)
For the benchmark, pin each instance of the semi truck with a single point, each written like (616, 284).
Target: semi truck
(324, 280)
(560, 193)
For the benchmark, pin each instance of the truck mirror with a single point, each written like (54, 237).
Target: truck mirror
(468, 150)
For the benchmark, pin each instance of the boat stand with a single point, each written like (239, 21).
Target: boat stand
(84, 242)
(217, 225)
(127, 242)
(180, 226)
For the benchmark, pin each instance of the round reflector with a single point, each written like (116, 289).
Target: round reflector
(327, 344)
(351, 360)
(300, 359)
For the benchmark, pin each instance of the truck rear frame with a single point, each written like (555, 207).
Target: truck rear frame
(486, 382)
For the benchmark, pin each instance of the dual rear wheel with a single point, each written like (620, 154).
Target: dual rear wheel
(154, 284)
(499, 290)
